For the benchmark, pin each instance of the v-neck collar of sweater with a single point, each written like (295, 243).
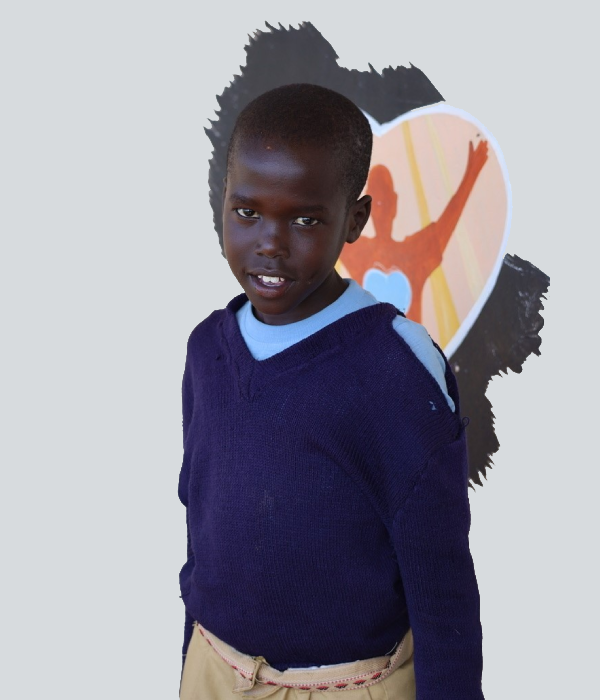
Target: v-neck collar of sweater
(254, 374)
(353, 297)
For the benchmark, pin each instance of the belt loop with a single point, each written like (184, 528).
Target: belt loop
(258, 661)
(249, 683)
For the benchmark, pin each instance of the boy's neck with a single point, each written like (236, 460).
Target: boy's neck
(344, 287)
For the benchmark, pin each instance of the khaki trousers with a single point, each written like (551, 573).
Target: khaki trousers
(207, 676)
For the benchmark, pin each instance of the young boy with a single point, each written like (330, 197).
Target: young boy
(325, 470)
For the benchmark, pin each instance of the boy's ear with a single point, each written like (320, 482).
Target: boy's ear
(359, 215)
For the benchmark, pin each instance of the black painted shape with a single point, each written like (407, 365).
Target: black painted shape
(505, 333)
(302, 55)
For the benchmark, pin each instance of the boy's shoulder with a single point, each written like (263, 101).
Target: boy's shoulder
(429, 354)
(206, 325)
(205, 333)
(206, 329)
(404, 361)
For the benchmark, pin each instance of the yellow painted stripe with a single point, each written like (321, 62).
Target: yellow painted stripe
(416, 176)
(445, 311)
(471, 266)
(342, 270)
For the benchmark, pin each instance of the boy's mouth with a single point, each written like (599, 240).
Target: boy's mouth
(270, 280)
(270, 286)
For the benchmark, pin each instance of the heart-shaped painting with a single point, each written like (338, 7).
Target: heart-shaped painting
(393, 287)
(440, 219)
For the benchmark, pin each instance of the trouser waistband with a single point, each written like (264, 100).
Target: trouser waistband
(355, 674)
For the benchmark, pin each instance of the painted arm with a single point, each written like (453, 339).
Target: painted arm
(428, 245)
(446, 224)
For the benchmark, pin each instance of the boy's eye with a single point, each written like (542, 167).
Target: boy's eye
(306, 221)
(247, 213)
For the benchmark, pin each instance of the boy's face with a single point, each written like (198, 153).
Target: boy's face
(285, 215)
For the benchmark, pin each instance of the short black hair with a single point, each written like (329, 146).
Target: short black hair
(302, 113)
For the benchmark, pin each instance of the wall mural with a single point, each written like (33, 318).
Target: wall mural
(435, 244)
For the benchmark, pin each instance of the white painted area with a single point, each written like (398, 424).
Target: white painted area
(109, 260)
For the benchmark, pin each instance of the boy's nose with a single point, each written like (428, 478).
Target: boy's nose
(272, 242)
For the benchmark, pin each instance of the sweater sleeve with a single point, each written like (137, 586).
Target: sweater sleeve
(431, 538)
(188, 625)
(187, 411)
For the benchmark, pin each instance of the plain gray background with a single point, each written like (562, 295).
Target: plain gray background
(109, 260)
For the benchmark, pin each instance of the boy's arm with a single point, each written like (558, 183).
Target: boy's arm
(187, 397)
(188, 625)
(430, 533)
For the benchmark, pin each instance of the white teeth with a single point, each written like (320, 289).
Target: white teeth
(270, 280)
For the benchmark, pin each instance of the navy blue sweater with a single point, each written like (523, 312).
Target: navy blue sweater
(326, 497)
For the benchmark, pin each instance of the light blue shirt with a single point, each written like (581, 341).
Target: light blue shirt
(264, 340)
